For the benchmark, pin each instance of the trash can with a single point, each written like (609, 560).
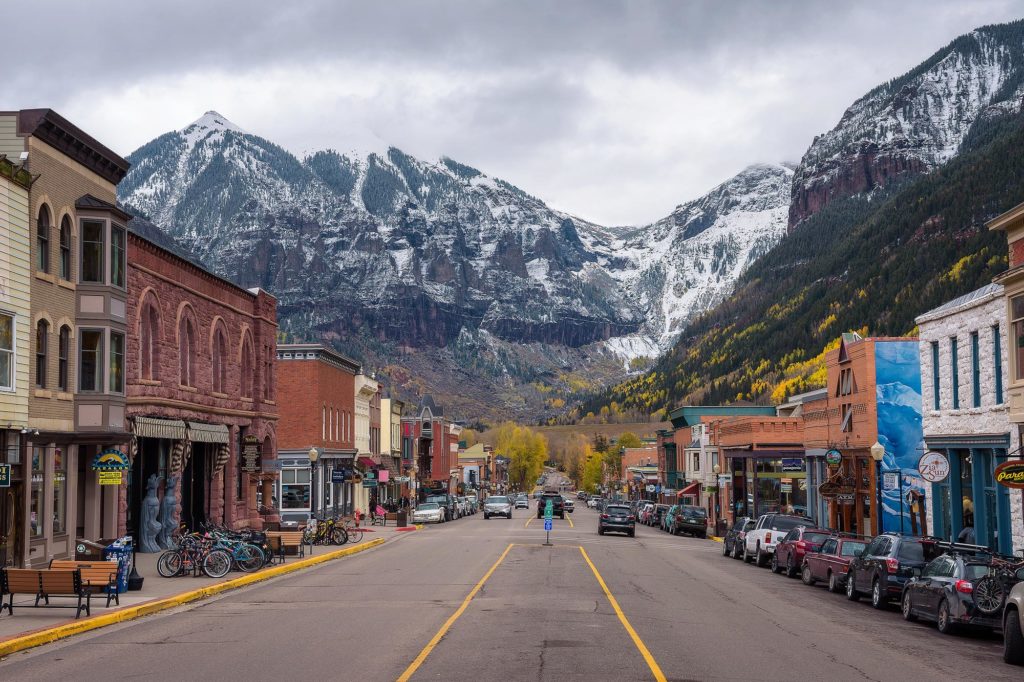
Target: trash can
(87, 550)
(120, 551)
(403, 518)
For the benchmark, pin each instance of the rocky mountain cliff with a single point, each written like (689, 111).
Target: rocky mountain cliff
(430, 270)
(916, 122)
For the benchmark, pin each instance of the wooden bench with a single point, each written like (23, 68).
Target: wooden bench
(287, 540)
(97, 576)
(46, 583)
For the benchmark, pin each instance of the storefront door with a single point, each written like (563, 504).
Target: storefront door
(11, 503)
(194, 487)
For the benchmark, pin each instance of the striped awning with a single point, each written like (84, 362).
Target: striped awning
(151, 427)
(207, 433)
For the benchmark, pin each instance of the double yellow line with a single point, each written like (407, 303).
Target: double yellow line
(527, 524)
(658, 675)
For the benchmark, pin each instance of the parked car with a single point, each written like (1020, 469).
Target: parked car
(569, 505)
(645, 512)
(667, 517)
(580, 495)
(617, 518)
(497, 505)
(557, 505)
(592, 503)
(733, 539)
(760, 542)
(690, 519)
(831, 562)
(944, 593)
(886, 565)
(447, 504)
(656, 515)
(789, 553)
(1013, 624)
(428, 512)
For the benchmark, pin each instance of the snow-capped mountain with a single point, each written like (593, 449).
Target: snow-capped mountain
(389, 252)
(915, 122)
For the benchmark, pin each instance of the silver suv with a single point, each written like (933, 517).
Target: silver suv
(1013, 624)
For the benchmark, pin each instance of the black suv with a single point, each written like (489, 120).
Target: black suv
(886, 565)
(617, 518)
(944, 592)
(732, 543)
(557, 505)
(692, 520)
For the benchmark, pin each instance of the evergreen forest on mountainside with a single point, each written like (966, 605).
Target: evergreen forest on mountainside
(869, 263)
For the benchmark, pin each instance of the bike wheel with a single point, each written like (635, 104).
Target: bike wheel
(217, 563)
(989, 594)
(169, 563)
(339, 536)
(249, 558)
(355, 534)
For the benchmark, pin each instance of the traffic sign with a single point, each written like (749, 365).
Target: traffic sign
(549, 510)
(548, 524)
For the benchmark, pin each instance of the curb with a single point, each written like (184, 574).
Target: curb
(716, 539)
(40, 637)
(406, 529)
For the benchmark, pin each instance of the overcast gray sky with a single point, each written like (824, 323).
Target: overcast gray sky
(613, 111)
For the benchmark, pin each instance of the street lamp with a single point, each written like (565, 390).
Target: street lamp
(877, 453)
(314, 454)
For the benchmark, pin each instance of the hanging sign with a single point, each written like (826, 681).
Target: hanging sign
(383, 475)
(833, 457)
(786, 487)
(5, 475)
(250, 454)
(110, 459)
(844, 498)
(370, 479)
(337, 475)
(109, 477)
(933, 466)
(649, 488)
(1011, 474)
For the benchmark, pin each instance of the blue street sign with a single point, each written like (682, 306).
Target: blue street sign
(548, 524)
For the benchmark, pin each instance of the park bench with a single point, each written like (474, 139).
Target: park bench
(287, 540)
(97, 576)
(46, 583)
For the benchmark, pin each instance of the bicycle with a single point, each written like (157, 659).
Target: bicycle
(991, 591)
(194, 553)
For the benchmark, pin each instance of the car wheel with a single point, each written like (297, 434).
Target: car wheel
(851, 589)
(833, 582)
(510, 515)
(600, 531)
(806, 576)
(943, 621)
(877, 598)
(632, 533)
(906, 608)
(775, 563)
(790, 568)
(725, 549)
(759, 557)
(486, 517)
(736, 553)
(1013, 638)
(747, 558)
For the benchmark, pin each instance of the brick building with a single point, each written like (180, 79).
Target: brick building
(433, 442)
(76, 403)
(316, 387)
(201, 394)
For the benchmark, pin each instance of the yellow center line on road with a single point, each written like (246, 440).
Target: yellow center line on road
(414, 666)
(570, 522)
(527, 524)
(641, 647)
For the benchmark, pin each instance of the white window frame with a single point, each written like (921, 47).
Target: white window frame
(13, 351)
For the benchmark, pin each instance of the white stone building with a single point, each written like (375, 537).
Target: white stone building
(964, 377)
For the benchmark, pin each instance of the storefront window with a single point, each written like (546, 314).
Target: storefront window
(60, 492)
(36, 513)
(967, 488)
(295, 488)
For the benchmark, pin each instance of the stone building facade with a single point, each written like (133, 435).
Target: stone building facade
(964, 372)
(202, 399)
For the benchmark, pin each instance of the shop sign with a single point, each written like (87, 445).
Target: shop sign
(383, 475)
(724, 479)
(337, 475)
(5, 475)
(933, 467)
(649, 488)
(890, 480)
(844, 498)
(786, 487)
(1011, 474)
(251, 454)
(833, 457)
(792, 465)
(370, 480)
(270, 466)
(402, 479)
(830, 490)
(110, 459)
(109, 477)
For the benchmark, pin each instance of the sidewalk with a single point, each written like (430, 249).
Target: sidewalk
(27, 620)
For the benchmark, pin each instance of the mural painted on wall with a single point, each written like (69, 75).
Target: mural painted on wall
(898, 394)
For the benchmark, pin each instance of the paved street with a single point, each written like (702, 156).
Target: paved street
(541, 615)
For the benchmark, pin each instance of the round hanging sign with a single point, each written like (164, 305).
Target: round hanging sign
(833, 458)
(933, 466)
(1011, 474)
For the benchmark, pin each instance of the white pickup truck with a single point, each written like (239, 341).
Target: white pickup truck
(770, 529)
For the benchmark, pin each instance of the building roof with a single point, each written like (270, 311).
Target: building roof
(974, 298)
(15, 172)
(688, 415)
(474, 452)
(89, 202)
(1005, 220)
(69, 139)
(316, 351)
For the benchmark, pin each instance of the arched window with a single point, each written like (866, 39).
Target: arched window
(186, 352)
(65, 249)
(149, 341)
(42, 334)
(63, 346)
(220, 365)
(43, 239)
(246, 379)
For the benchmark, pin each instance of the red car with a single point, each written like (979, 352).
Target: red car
(832, 562)
(789, 553)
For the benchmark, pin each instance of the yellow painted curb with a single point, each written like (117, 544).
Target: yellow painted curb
(38, 638)
(716, 539)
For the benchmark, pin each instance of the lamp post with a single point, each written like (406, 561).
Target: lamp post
(314, 455)
(877, 453)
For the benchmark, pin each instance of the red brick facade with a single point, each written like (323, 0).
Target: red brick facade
(317, 403)
(231, 334)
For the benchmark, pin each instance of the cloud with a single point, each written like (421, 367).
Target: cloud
(614, 111)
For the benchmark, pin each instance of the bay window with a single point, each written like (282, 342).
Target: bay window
(90, 360)
(117, 256)
(93, 246)
(116, 371)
